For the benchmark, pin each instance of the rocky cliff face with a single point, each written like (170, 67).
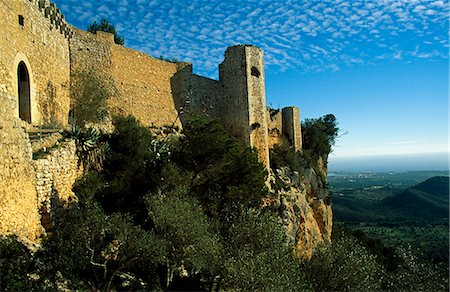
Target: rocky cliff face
(302, 199)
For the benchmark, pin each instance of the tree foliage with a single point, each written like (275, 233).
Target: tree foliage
(186, 216)
(319, 135)
(415, 274)
(132, 169)
(222, 170)
(106, 26)
(283, 154)
(15, 264)
(258, 257)
(343, 265)
(89, 95)
(193, 246)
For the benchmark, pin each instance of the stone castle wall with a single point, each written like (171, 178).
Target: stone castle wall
(138, 84)
(144, 87)
(90, 52)
(291, 126)
(18, 201)
(257, 102)
(55, 175)
(35, 33)
(28, 186)
(194, 94)
(162, 93)
(274, 127)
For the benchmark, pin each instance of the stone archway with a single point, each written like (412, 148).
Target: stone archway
(23, 85)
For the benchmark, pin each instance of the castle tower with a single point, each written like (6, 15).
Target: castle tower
(291, 126)
(242, 108)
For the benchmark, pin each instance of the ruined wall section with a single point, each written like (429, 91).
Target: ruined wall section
(194, 94)
(18, 201)
(144, 87)
(35, 32)
(56, 173)
(274, 127)
(292, 127)
(257, 102)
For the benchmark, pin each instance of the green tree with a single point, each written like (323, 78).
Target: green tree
(224, 172)
(15, 264)
(193, 246)
(133, 168)
(415, 274)
(319, 135)
(106, 26)
(92, 249)
(258, 257)
(343, 265)
(89, 94)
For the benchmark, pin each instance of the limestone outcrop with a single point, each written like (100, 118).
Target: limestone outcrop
(302, 200)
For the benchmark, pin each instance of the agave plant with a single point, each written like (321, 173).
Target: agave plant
(91, 151)
(160, 150)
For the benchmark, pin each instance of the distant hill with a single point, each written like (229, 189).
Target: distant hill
(427, 200)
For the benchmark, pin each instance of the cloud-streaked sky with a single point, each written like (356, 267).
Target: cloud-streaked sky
(380, 66)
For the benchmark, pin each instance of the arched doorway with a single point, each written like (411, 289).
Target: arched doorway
(23, 79)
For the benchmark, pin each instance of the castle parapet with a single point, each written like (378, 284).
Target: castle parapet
(56, 18)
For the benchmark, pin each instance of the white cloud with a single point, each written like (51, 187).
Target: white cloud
(310, 34)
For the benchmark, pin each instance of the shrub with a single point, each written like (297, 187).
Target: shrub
(415, 274)
(90, 148)
(223, 170)
(95, 248)
(258, 257)
(89, 93)
(193, 246)
(105, 26)
(319, 135)
(343, 265)
(15, 264)
(133, 168)
(284, 155)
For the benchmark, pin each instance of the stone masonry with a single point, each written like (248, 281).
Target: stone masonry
(40, 57)
(35, 34)
(18, 201)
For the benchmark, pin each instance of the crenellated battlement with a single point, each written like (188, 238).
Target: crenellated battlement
(55, 16)
(41, 59)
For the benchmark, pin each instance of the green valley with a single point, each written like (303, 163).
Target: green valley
(400, 209)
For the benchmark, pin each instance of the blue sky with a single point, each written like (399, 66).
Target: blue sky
(380, 66)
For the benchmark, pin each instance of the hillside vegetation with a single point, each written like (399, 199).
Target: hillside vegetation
(183, 212)
(427, 200)
(381, 206)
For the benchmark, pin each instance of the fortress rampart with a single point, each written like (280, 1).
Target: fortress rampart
(34, 60)
(40, 58)
(162, 93)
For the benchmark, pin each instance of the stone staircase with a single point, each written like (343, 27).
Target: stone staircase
(39, 134)
(42, 138)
